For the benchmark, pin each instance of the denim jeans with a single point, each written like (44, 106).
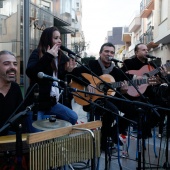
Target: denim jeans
(61, 112)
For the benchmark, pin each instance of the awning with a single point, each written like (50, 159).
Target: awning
(66, 29)
(60, 22)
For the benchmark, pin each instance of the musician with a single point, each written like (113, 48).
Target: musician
(10, 93)
(49, 59)
(138, 62)
(100, 67)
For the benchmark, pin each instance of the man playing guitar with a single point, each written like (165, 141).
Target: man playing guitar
(100, 67)
(137, 66)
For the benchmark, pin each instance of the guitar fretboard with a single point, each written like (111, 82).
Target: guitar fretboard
(136, 82)
(157, 70)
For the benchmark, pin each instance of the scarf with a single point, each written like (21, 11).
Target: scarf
(104, 69)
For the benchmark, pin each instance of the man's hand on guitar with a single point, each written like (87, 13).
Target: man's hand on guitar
(124, 87)
(154, 80)
(91, 88)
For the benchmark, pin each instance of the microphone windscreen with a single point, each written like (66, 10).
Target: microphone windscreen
(40, 75)
(63, 48)
(110, 58)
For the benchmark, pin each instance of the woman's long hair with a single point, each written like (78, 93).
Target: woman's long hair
(45, 41)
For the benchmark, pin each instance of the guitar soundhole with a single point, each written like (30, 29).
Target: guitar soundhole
(100, 86)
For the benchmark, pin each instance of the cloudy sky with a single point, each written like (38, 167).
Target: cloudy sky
(99, 16)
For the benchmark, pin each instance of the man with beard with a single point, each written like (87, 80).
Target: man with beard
(10, 93)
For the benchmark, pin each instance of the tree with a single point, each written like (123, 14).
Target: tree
(85, 60)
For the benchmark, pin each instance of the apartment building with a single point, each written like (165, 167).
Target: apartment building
(76, 40)
(115, 37)
(151, 26)
(22, 22)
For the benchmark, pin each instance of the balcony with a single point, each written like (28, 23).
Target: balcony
(146, 8)
(135, 24)
(126, 37)
(149, 35)
(147, 38)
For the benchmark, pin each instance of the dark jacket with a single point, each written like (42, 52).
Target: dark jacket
(43, 64)
(95, 67)
(135, 64)
(9, 103)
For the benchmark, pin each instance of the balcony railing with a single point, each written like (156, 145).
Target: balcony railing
(144, 4)
(142, 38)
(149, 35)
(147, 39)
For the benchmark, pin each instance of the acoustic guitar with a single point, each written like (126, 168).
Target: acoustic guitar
(148, 71)
(99, 87)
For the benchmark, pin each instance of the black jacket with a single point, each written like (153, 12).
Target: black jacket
(43, 64)
(95, 67)
(9, 103)
(135, 64)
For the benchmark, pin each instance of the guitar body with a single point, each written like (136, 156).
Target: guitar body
(142, 88)
(95, 82)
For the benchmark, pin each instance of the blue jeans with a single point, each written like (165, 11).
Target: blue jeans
(61, 112)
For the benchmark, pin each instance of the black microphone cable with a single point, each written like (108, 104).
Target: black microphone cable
(36, 102)
(66, 89)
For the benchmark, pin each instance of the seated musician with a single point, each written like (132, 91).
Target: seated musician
(49, 59)
(137, 66)
(10, 92)
(100, 67)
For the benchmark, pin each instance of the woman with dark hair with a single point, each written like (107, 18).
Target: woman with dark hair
(49, 59)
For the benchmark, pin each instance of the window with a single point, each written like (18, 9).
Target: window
(77, 6)
(46, 5)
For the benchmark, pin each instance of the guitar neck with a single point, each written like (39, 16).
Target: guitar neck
(157, 70)
(136, 82)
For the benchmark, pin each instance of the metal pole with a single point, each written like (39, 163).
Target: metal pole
(26, 43)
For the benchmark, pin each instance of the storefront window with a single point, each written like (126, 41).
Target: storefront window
(39, 20)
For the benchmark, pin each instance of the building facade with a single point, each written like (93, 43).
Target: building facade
(22, 22)
(151, 26)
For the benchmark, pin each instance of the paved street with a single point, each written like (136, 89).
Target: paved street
(130, 163)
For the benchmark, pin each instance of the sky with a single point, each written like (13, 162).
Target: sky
(99, 16)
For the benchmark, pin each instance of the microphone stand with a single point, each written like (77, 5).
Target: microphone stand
(17, 109)
(166, 164)
(18, 145)
(140, 138)
(140, 118)
(73, 90)
(109, 86)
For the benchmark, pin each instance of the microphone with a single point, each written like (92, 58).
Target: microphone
(114, 60)
(150, 56)
(41, 75)
(69, 51)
